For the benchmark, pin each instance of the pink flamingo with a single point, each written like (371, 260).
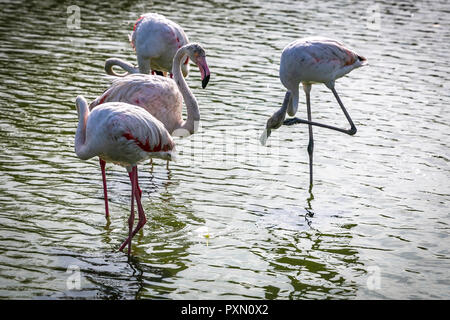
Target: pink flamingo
(155, 39)
(310, 61)
(123, 134)
(160, 96)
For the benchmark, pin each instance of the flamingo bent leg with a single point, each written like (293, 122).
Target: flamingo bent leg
(351, 131)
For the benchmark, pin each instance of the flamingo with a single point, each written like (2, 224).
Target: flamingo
(155, 39)
(310, 61)
(123, 134)
(160, 96)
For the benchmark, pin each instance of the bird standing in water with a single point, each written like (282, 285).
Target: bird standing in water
(310, 61)
(123, 134)
(162, 97)
(156, 40)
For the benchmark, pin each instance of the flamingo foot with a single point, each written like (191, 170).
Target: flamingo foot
(292, 121)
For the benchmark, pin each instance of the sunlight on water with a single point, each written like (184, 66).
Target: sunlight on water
(231, 219)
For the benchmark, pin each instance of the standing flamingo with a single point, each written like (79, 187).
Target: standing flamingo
(160, 96)
(310, 61)
(123, 134)
(156, 39)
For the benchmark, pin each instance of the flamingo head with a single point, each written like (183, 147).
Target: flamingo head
(198, 56)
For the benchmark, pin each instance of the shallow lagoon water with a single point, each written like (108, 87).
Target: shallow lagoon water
(232, 219)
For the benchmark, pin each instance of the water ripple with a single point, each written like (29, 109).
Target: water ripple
(231, 219)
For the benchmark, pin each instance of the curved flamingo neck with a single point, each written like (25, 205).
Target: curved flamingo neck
(190, 126)
(81, 149)
(128, 67)
(276, 120)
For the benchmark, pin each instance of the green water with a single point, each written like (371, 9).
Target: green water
(231, 219)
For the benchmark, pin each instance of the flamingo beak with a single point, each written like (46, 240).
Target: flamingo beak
(205, 81)
(204, 70)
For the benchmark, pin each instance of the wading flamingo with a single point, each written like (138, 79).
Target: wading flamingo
(310, 61)
(123, 134)
(155, 39)
(160, 96)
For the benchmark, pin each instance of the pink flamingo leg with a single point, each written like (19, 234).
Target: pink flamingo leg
(142, 217)
(105, 191)
(137, 184)
(133, 176)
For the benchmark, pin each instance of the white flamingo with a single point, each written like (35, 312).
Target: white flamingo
(155, 39)
(309, 61)
(160, 96)
(123, 134)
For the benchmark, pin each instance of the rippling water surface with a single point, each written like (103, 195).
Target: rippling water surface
(232, 219)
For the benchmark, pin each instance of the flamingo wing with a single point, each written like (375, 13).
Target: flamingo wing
(320, 60)
(126, 134)
(158, 95)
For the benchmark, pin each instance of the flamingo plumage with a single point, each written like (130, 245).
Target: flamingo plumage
(163, 97)
(126, 135)
(310, 61)
(160, 96)
(156, 40)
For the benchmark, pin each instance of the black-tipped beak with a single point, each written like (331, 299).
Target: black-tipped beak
(204, 70)
(205, 81)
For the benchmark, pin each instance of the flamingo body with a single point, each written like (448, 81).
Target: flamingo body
(160, 96)
(315, 60)
(156, 39)
(123, 134)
